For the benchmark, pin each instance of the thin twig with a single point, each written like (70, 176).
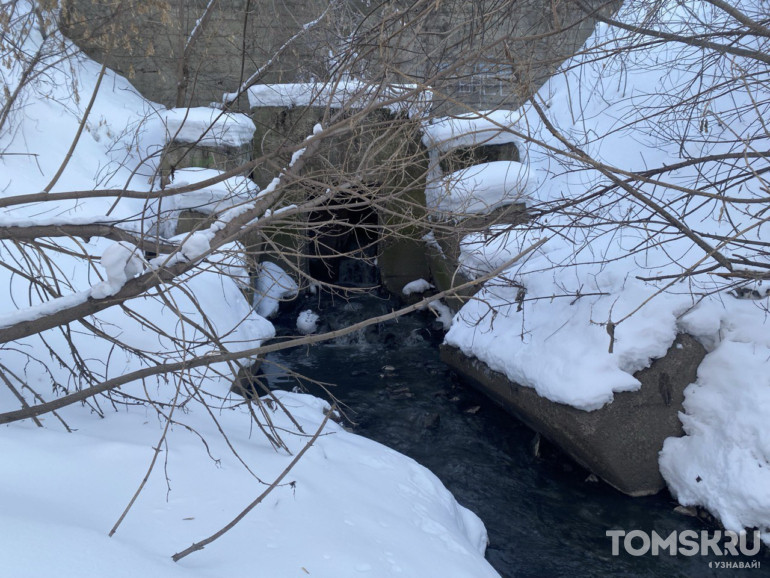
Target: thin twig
(206, 541)
(152, 462)
(79, 132)
(12, 416)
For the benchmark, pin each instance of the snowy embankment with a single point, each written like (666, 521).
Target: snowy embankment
(350, 506)
(614, 283)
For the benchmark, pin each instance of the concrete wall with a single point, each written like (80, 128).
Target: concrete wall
(475, 54)
(143, 40)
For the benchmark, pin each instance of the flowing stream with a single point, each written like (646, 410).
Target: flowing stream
(543, 514)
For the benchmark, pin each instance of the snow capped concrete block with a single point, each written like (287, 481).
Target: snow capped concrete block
(486, 127)
(352, 94)
(204, 138)
(208, 127)
(619, 442)
(187, 211)
(480, 189)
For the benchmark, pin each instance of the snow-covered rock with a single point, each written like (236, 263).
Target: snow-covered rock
(416, 286)
(307, 322)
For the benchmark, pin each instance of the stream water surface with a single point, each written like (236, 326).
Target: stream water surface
(544, 515)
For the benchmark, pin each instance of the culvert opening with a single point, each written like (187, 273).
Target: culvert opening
(342, 238)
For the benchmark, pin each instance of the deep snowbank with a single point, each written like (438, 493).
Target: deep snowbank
(350, 506)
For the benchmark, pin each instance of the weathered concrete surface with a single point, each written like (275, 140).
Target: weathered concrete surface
(402, 261)
(402, 256)
(189, 220)
(147, 41)
(377, 156)
(464, 157)
(445, 276)
(373, 149)
(619, 442)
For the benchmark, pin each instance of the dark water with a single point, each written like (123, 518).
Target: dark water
(542, 515)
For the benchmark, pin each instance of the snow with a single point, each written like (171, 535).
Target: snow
(196, 245)
(37, 311)
(557, 346)
(349, 93)
(119, 147)
(416, 286)
(208, 127)
(121, 261)
(487, 127)
(546, 321)
(721, 463)
(214, 198)
(430, 241)
(479, 189)
(273, 284)
(52, 221)
(350, 506)
(307, 322)
(443, 314)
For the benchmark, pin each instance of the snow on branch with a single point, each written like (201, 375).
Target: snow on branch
(32, 230)
(127, 284)
(200, 24)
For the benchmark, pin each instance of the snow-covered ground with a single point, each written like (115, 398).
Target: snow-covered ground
(350, 506)
(611, 260)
